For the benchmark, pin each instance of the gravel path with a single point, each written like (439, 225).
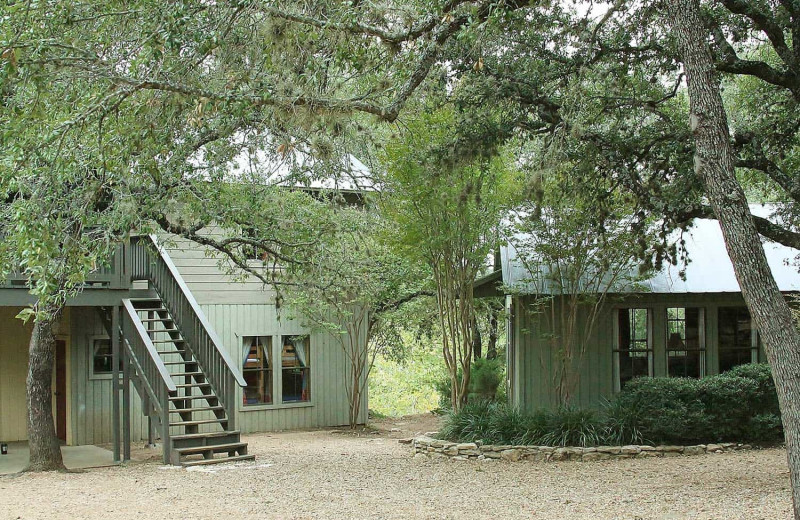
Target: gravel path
(325, 475)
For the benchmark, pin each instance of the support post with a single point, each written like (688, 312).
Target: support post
(165, 440)
(126, 406)
(115, 357)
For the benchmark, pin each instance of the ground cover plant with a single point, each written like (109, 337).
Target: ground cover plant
(740, 405)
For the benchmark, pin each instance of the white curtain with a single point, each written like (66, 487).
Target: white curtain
(300, 350)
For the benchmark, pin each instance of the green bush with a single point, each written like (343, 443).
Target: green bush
(574, 427)
(738, 406)
(486, 376)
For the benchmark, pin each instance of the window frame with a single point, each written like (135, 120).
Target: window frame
(701, 338)
(277, 374)
(96, 376)
(269, 351)
(616, 350)
(307, 367)
(754, 338)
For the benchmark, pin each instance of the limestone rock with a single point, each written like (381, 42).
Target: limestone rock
(596, 455)
(511, 455)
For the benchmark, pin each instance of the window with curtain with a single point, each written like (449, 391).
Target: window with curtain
(685, 347)
(634, 351)
(257, 369)
(296, 369)
(736, 341)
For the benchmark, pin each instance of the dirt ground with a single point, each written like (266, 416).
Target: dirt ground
(328, 474)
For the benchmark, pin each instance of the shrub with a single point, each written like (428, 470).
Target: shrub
(486, 376)
(740, 405)
(573, 427)
(623, 423)
(470, 424)
(664, 409)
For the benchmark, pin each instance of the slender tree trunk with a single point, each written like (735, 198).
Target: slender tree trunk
(491, 348)
(44, 444)
(477, 340)
(714, 164)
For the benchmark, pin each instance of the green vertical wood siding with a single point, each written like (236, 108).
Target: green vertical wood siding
(533, 385)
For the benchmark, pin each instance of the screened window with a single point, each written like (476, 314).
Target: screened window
(296, 369)
(634, 352)
(257, 369)
(685, 345)
(737, 341)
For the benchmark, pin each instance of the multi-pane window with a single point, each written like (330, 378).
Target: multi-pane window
(102, 357)
(634, 351)
(737, 343)
(295, 369)
(685, 345)
(257, 369)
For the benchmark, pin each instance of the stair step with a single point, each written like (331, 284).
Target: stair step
(191, 436)
(185, 397)
(153, 309)
(180, 362)
(172, 351)
(154, 341)
(216, 448)
(198, 409)
(154, 320)
(205, 462)
(181, 374)
(198, 422)
(192, 385)
(164, 330)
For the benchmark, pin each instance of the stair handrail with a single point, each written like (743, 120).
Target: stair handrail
(146, 353)
(151, 369)
(195, 327)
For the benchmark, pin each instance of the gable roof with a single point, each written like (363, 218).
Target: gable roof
(709, 269)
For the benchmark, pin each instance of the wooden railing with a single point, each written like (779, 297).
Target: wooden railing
(115, 275)
(154, 376)
(149, 261)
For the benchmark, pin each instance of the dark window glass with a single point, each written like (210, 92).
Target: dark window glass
(735, 338)
(102, 357)
(634, 350)
(684, 352)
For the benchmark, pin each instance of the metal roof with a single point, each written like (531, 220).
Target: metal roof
(709, 269)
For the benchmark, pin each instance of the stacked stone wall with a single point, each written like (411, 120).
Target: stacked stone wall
(437, 448)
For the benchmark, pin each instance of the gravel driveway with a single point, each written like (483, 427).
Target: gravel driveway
(325, 475)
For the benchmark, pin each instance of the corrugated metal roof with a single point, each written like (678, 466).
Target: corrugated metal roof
(709, 269)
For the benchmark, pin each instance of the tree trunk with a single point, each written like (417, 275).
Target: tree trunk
(44, 445)
(477, 341)
(714, 163)
(491, 348)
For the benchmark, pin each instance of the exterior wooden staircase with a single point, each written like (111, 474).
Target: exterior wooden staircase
(186, 379)
(194, 405)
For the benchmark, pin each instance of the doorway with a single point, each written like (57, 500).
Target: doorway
(60, 393)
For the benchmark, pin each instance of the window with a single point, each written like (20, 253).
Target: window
(685, 344)
(295, 369)
(634, 350)
(738, 343)
(257, 369)
(102, 356)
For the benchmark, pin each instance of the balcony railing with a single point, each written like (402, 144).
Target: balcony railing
(114, 276)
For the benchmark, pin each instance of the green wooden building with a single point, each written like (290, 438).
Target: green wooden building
(669, 326)
(197, 359)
